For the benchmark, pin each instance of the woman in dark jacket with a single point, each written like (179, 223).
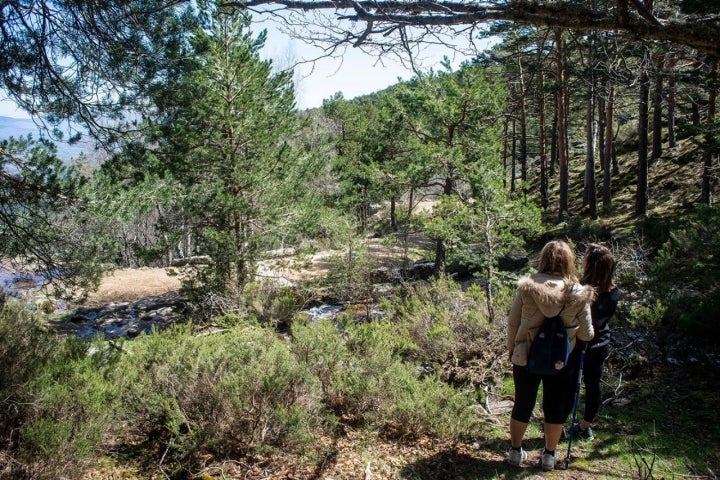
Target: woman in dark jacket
(598, 269)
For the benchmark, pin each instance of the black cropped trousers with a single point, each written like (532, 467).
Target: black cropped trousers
(554, 392)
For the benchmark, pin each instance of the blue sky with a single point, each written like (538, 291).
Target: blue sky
(357, 73)
(9, 109)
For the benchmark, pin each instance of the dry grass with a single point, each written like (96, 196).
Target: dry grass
(127, 285)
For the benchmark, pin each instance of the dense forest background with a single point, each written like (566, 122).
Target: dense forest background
(587, 132)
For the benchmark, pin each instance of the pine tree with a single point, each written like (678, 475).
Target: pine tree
(221, 144)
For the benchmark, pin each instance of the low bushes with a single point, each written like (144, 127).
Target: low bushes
(176, 398)
(57, 405)
(226, 394)
(365, 381)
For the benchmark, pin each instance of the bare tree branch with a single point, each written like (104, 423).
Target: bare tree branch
(369, 19)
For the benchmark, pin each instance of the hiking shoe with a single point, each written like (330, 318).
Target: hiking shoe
(547, 461)
(514, 457)
(585, 434)
(580, 434)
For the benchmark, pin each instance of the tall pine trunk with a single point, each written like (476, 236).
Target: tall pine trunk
(393, 214)
(710, 148)
(608, 155)
(513, 157)
(671, 112)
(554, 135)
(641, 195)
(562, 125)
(657, 109)
(523, 125)
(542, 142)
(505, 150)
(589, 194)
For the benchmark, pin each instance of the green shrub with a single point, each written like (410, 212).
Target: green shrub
(503, 295)
(77, 405)
(62, 448)
(270, 304)
(580, 228)
(25, 350)
(647, 317)
(232, 320)
(440, 319)
(350, 278)
(232, 393)
(686, 273)
(320, 347)
(365, 382)
(57, 403)
(688, 314)
(425, 406)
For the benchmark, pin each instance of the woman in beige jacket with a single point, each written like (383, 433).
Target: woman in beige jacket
(554, 289)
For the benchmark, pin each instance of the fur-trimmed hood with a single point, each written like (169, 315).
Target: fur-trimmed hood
(551, 293)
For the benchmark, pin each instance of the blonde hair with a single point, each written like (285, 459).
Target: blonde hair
(598, 267)
(557, 258)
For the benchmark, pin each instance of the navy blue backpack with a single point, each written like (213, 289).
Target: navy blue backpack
(550, 348)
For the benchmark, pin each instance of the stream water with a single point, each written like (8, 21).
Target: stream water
(127, 319)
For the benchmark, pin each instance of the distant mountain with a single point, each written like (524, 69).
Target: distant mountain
(17, 127)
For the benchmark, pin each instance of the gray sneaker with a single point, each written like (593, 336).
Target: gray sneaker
(514, 457)
(547, 461)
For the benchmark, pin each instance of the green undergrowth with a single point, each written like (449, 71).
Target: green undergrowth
(662, 427)
(175, 398)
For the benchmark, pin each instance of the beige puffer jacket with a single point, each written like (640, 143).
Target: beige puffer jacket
(542, 295)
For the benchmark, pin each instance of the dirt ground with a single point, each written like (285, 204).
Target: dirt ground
(126, 285)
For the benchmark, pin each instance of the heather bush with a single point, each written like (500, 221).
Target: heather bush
(691, 254)
(366, 383)
(270, 304)
(425, 405)
(231, 393)
(57, 403)
(441, 320)
(25, 350)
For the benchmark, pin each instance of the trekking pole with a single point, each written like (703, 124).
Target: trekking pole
(573, 430)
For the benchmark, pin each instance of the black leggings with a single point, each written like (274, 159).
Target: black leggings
(526, 390)
(592, 373)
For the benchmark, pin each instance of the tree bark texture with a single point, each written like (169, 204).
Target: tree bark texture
(542, 140)
(711, 149)
(641, 195)
(589, 182)
(608, 155)
(562, 124)
(657, 108)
